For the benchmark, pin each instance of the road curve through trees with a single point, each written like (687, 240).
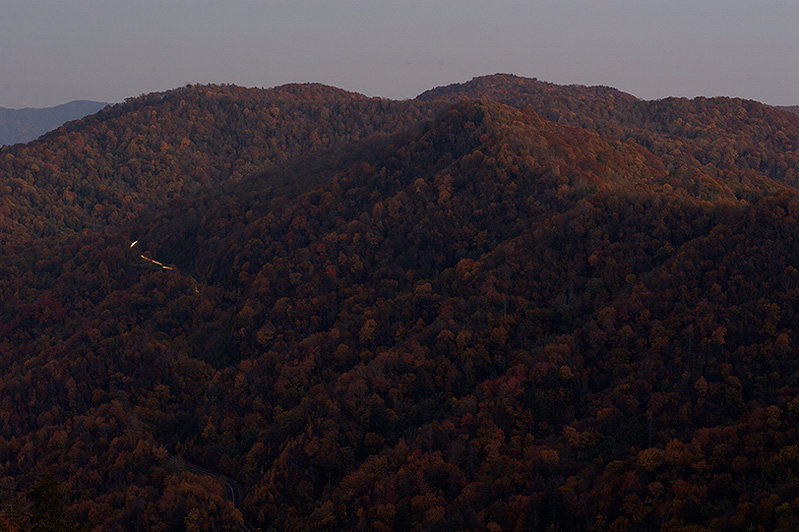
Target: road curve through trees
(232, 490)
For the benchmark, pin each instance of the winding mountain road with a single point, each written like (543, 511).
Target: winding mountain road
(232, 490)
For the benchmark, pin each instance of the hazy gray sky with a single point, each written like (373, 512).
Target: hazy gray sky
(53, 51)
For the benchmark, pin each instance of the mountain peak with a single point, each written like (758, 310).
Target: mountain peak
(505, 87)
(317, 92)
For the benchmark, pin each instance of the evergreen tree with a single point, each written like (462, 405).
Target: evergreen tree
(47, 508)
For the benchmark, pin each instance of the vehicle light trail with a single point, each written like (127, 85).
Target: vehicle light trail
(163, 266)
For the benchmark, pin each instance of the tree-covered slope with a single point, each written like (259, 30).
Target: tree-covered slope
(484, 321)
(111, 166)
(724, 146)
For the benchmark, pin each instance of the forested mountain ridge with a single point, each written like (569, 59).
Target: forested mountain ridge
(479, 318)
(723, 144)
(111, 166)
(790, 108)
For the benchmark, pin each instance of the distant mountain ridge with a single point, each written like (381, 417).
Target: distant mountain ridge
(24, 125)
(790, 108)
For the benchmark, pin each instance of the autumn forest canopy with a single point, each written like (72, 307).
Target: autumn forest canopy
(502, 305)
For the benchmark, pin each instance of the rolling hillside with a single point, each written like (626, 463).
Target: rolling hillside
(504, 305)
(109, 167)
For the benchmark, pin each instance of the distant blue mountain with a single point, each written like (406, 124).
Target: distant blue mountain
(24, 125)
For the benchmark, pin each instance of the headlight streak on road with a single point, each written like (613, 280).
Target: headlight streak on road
(163, 266)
